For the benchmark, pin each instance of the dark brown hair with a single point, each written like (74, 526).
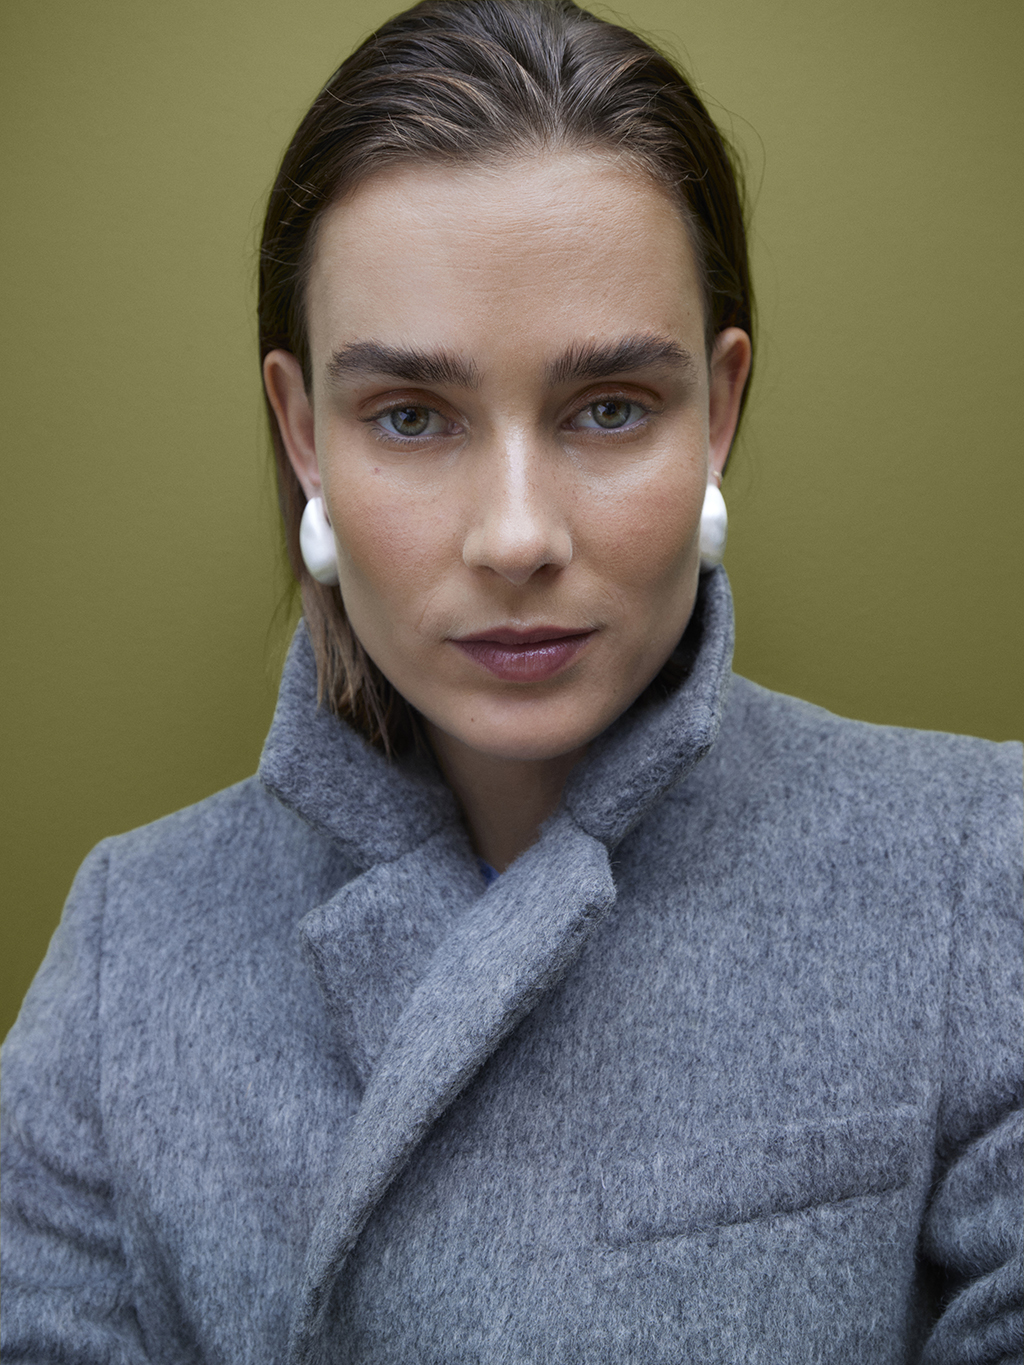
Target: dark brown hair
(471, 81)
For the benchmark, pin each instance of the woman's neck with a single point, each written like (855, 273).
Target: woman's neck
(504, 801)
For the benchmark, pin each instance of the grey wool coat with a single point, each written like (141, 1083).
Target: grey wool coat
(725, 1068)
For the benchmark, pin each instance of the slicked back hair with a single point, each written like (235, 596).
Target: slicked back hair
(463, 82)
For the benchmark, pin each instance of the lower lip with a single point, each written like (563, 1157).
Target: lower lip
(525, 663)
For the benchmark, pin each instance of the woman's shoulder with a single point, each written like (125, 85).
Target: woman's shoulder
(786, 753)
(240, 846)
(241, 818)
(779, 727)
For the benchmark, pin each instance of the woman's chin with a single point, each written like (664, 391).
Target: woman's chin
(520, 732)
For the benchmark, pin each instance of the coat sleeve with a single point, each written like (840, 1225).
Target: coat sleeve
(973, 1230)
(66, 1289)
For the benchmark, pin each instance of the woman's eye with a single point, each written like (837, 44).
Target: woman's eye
(412, 420)
(609, 414)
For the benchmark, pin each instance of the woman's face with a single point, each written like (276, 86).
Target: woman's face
(512, 424)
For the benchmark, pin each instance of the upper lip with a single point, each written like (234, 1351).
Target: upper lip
(510, 635)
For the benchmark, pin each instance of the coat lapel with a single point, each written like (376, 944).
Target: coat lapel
(505, 951)
(370, 945)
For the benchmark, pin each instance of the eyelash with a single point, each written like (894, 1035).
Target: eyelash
(383, 433)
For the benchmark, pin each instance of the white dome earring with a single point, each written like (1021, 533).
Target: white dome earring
(316, 540)
(714, 525)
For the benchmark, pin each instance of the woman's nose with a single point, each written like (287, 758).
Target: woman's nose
(516, 527)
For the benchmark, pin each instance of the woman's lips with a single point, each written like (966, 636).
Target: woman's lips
(525, 656)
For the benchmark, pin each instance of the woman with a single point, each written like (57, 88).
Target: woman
(551, 994)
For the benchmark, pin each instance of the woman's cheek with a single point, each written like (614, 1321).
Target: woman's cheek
(388, 545)
(648, 533)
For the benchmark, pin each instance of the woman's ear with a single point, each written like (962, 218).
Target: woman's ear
(282, 375)
(730, 365)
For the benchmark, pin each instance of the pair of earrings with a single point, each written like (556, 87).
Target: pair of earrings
(316, 539)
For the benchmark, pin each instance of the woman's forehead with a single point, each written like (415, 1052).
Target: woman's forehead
(560, 246)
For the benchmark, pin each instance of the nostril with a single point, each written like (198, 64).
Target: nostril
(517, 556)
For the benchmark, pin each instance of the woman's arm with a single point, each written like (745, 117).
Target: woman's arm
(973, 1227)
(67, 1291)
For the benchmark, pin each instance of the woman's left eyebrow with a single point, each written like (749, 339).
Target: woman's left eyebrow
(593, 360)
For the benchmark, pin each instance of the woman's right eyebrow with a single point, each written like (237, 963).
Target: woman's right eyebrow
(398, 362)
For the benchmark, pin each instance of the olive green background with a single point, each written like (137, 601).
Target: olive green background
(875, 498)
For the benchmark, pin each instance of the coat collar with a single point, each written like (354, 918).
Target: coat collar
(656, 743)
(379, 810)
(423, 972)
(321, 768)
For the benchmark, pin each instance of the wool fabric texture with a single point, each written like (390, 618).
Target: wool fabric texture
(726, 1068)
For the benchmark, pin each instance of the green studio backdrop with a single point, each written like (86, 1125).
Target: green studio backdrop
(875, 550)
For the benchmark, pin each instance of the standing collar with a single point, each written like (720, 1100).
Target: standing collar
(379, 809)
(656, 742)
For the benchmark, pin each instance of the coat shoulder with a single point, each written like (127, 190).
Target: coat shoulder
(244, 815)
(773, 734)
(238, 846)
(796, 782)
